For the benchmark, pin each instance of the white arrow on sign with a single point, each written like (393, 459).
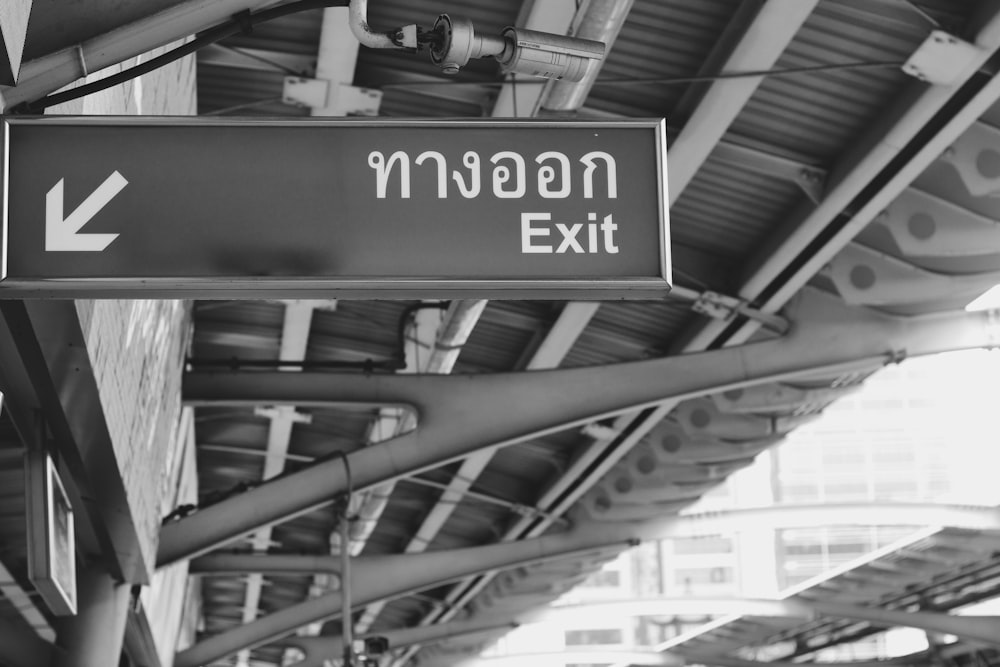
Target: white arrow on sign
(61, 233)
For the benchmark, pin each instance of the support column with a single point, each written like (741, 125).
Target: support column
(94, 637)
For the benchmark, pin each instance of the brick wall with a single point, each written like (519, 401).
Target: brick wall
(137, 347)
(137, 350)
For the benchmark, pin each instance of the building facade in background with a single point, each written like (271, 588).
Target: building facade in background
(918, 431)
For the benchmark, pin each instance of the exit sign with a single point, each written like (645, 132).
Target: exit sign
(210, 208)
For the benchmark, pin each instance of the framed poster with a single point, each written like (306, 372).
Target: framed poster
(51, 537)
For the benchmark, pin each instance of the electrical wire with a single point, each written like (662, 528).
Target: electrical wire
(669, 81)
(923, 12)
(240, 107)
(290, 71)
(241, 23)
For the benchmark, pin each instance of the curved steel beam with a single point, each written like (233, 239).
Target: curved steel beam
(407, 570)
(318, 649)
(459, 415)
(730, 661)
(983, 630)
(375, 578)
(591, 656)
(386, 577)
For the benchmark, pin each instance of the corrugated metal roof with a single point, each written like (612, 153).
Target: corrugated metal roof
(730, 224)
(730, 213)
(660, 40)
(817, 114)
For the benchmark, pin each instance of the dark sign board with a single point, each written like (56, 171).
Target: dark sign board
(210, 208)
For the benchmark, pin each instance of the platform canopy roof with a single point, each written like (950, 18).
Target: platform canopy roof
(833, 170)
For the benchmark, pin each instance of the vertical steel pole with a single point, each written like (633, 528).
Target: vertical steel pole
(96, 634)
(345, 585)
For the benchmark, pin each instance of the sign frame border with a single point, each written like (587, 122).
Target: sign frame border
(256, 287)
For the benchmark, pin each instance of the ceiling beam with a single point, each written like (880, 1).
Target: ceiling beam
(828, 337)
(913, 129)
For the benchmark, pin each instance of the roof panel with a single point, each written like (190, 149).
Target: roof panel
(818, 113)
(661, 40)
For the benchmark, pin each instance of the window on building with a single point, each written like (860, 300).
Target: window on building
(594, 637)
(604, 579)
(687, 546)
(703, 575)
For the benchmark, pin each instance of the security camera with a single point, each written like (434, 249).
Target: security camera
(517, 50)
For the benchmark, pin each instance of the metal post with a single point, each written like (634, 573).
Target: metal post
(345, 584)
(96, 634)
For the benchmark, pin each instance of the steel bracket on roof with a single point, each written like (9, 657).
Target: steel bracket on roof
(812, 181)
(941, 58)
(723, 307)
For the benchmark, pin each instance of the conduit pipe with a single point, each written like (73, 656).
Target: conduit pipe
(601, 20)
(318, 649)
(854, 174)
(48, 73)
(364, 33)
(376, 578)
(830, 337)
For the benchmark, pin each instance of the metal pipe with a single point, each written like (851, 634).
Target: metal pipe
(979, 629)
(96, 634)
(229, 564)
(318, 648)
(383, 577)
(600, 20)
(363, 32)
(345, 590)
(828, 337)
(404, 571)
